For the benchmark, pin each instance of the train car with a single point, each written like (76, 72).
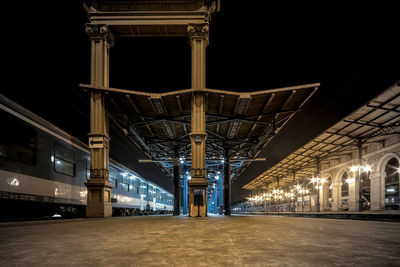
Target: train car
(43, 170)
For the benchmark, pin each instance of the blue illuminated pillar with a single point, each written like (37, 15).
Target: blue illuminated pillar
(210, 206)
(185, 191)
(215, 199)
(220, 192)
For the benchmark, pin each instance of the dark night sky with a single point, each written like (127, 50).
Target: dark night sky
(351, 50)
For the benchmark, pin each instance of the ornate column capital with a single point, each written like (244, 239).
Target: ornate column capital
(198, 32)
(98, 32)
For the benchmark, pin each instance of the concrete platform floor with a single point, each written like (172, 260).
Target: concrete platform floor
(211, 241)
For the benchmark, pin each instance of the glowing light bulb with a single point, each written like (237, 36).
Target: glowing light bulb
(367, 168)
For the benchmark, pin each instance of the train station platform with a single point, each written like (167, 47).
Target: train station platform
(354, 215)
(210, 241)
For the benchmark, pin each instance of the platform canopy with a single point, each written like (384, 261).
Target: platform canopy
(243, 123)
(370, 123)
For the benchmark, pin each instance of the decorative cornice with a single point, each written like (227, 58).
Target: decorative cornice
(98, 32)
(99, 174)
(198, 32)
(198, 172)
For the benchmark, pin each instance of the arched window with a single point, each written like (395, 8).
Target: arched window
(392, 184)
(365, 191)
(330, 187)
(345, 185)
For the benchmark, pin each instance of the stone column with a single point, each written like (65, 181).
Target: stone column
(198, 39)
(185, 193)
(335, 191)
(376, 192)
(227, 184)
(99, 186)
(318, 209)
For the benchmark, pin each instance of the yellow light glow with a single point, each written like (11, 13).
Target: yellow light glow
(354, 168)
(367, 168)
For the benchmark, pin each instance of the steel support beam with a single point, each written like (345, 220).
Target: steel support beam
(185, 192)
(227, 183)
(220, 191)
(176, 186)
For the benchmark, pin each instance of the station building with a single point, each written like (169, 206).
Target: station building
(352, 166)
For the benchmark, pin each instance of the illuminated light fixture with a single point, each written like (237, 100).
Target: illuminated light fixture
(216, 177)
(13, 181)
(52, 158)
(132, 177)
(323, 180)
(58, 162)
(189, 177)
(307, 191)
(398, 170)
(124, 174)
(297, 187)
(391, 190)
(367, 168)
(313, 180)
(354, 168)
(350, 180)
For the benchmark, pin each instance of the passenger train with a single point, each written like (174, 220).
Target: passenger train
(43, 170)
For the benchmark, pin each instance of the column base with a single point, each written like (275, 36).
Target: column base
(198, 197)
(98, 198)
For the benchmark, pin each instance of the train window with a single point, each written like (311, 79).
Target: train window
(150, 193)
(87, 168)
(125, 186)
(114, 182)
(18, 141)
(136, 185)
(64, 160)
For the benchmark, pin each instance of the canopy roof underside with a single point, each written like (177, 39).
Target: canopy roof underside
(242, 122)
